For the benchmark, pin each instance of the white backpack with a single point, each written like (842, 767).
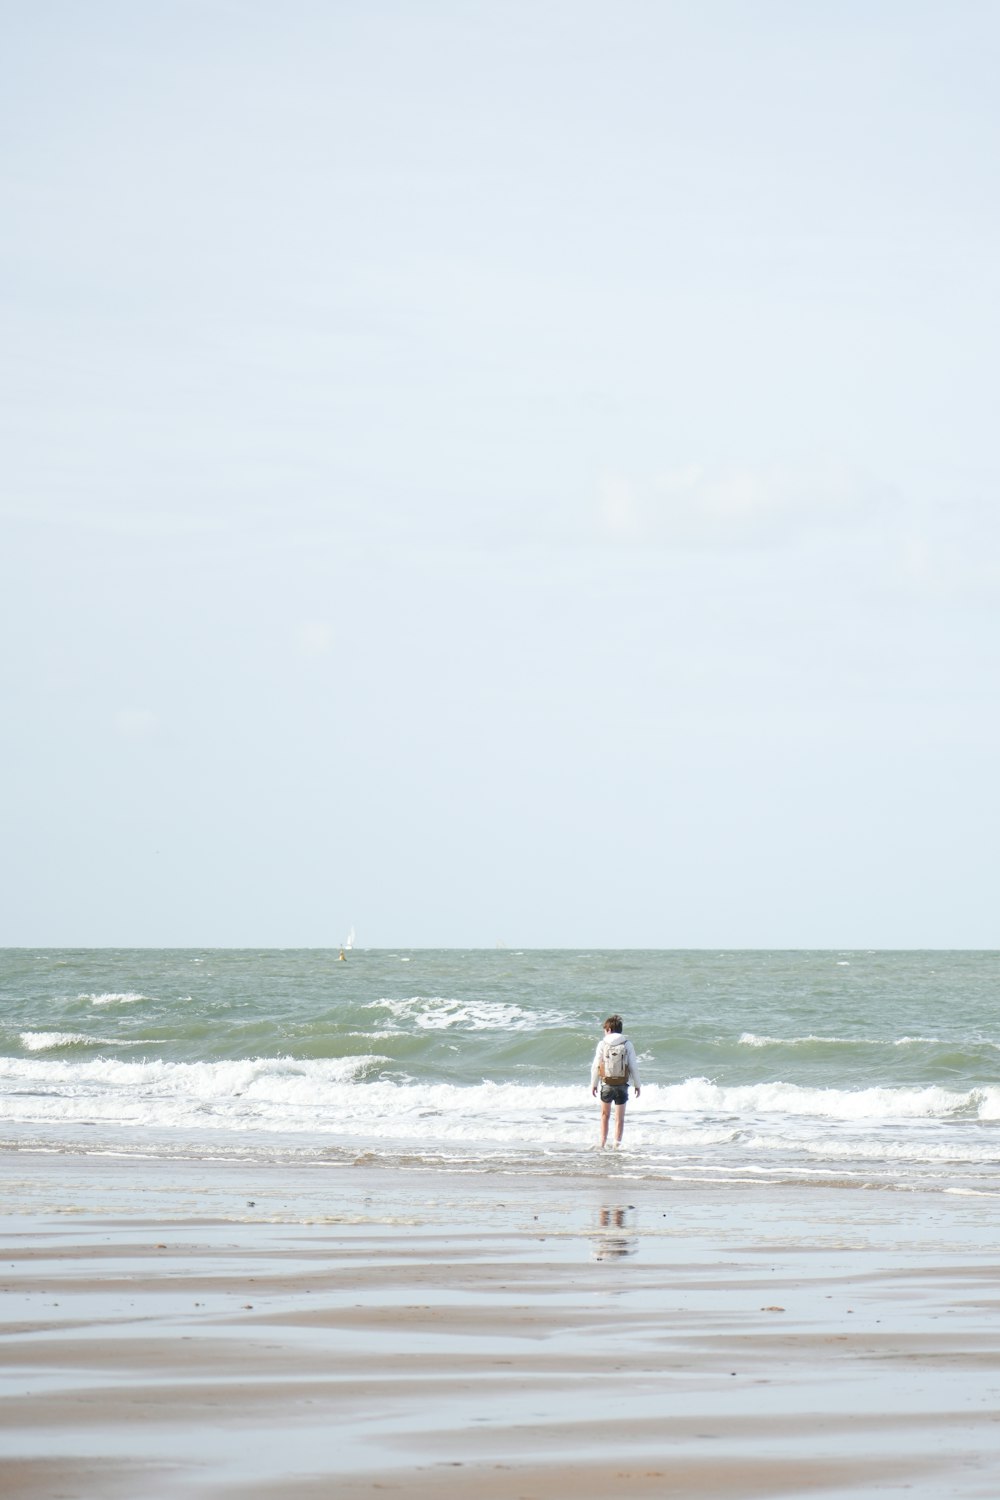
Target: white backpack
(614, 1068)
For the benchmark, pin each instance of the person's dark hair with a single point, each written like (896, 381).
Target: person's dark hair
(613, 1023)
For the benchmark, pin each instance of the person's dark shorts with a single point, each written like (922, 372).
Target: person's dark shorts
(614, 1093)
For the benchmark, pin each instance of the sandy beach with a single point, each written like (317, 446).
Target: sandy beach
(228, 1329)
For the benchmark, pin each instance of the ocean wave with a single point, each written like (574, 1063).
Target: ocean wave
(42, 1041)
(127, 997)
(45, 1041)
(906, 1150)
(889, 1137)
(987, 1103)
(931, 1102)
(751, 1039)
(270, 1084)
(440, 1013)
(279, 1095)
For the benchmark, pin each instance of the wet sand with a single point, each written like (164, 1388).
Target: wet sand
(221, 1330)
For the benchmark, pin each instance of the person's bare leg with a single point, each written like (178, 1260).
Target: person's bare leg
(619, 1123)
(605, 1117)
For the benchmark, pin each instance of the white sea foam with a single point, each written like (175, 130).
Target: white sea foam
(751, 1039)
(127, 997)
(40, 1041)
(44, 1041)
(56, 1084)
(837, 1104)
(286, 1094)
(987, 1102)
(439, 1013)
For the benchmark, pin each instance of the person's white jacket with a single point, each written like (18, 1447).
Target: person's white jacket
(606, 1040)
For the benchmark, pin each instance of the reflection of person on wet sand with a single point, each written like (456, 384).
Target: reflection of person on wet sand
(614, 1067)
(614, 1244)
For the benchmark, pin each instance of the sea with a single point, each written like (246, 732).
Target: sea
(856, 1068)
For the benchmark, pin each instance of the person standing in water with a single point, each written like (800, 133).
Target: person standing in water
(613, 1068)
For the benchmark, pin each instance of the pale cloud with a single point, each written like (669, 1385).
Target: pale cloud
(621, 512)
(314, 638)
(703, 506)
(136, 723)
(943, 563)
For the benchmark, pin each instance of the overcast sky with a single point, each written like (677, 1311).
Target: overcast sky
(500, 472)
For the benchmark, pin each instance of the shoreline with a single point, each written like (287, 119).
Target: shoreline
(199, 1331)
